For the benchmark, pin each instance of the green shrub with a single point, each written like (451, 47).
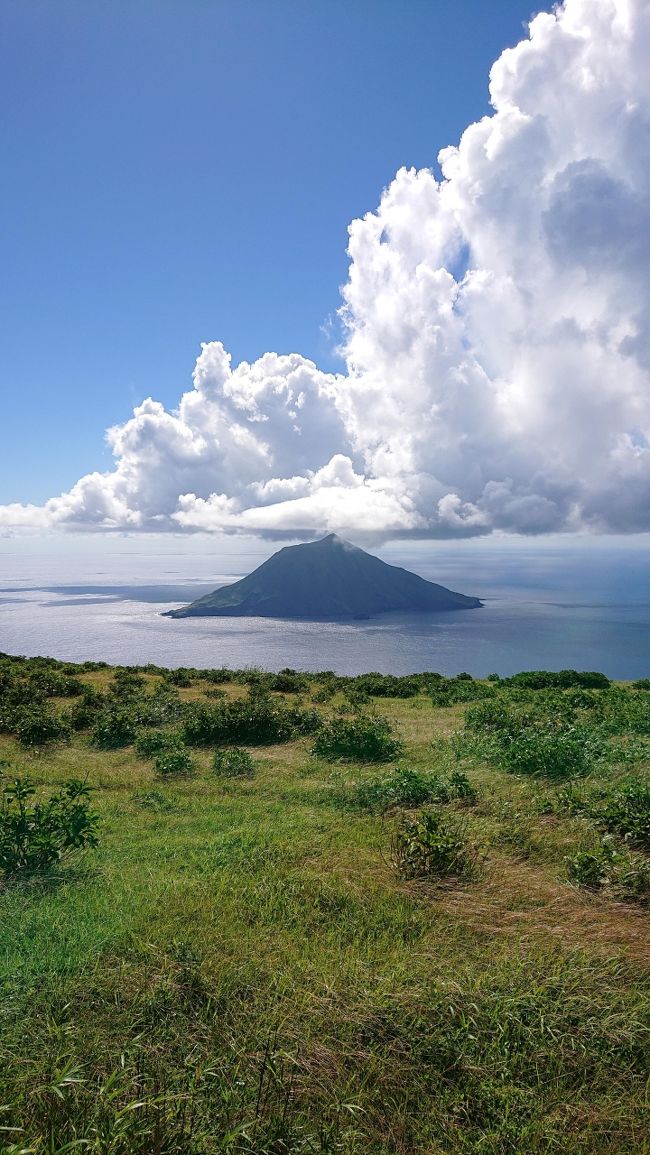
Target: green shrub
(304, 720)
(38, 725)
(434, 846)
(35, 836)
(157, 709)
(289, 681)
(216, 676)
(409, 788)
(452, 692)
(174, 761)
(559, 679)
(604, 867)
(256, 720)
(590, 868)
(180, 677)
(114, 728)
(233, 763)
(534, 736)
(627, 811)
(85, 710)
(126, 684)
(360, 737)
(552, 753)
(388, 685)
(152, 742)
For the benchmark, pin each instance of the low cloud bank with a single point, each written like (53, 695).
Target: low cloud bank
(497, 339)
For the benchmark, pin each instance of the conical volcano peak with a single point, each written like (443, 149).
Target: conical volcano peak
(329, 579)
(333, 539)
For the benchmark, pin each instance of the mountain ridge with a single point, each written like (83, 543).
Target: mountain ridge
(325, 580)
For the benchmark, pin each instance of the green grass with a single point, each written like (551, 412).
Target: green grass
(240, 968)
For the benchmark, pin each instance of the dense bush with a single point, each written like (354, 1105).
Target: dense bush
(360, 737)
(115, 727)
(389, 685)
(535, 736)
(233, 763)
(126, 684)
(216, 676)
(452, 691)
(180, 677)
(152, 742)
(604, 867)
(86, 709)
(624, 711)
(558, 680)
(434, 846)
(36, 835)
(409, 787)
(256, 720)
(176, 760)
(289, 681)
(626, 811)
(38, 725)
(551, 752)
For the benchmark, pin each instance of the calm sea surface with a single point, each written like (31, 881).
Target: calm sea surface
(585, 606)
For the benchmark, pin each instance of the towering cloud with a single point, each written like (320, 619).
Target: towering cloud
(497, 338)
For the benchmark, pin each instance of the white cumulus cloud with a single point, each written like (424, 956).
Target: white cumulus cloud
(497, 338)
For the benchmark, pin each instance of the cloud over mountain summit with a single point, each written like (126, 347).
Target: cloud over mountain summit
(497, 338)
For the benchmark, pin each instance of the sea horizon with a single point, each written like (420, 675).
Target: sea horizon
(552, 605)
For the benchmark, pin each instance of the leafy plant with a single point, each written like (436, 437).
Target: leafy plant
(36, 835)
(559, 679)
(233, 763)
(38, 725)
(180, 677)
(361, 737)
(604, 867)
(256, 720)
(627, 811)
(86, 709)
(552, 752)
(434, 846)
(152, 742)
(126, 684)
(174, 761)
(114, 728)
(452, 691)
(408, 787)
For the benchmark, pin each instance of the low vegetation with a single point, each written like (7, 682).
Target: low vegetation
(272, 914)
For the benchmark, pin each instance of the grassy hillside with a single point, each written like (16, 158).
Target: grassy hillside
(305, 951)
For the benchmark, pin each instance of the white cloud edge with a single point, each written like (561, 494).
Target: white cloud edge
(497, 340)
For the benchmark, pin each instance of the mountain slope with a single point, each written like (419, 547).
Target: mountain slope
(327, 579)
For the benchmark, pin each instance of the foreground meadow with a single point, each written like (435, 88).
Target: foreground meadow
(323, 914)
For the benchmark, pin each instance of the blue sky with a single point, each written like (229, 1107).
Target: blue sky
(185, 171)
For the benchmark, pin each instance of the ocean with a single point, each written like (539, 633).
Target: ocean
(548, 604)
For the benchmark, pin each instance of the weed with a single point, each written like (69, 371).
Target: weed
(409, 787)
(626, 811)
(233, 763)
(434, 846)
(36, 835)
(605, 867)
